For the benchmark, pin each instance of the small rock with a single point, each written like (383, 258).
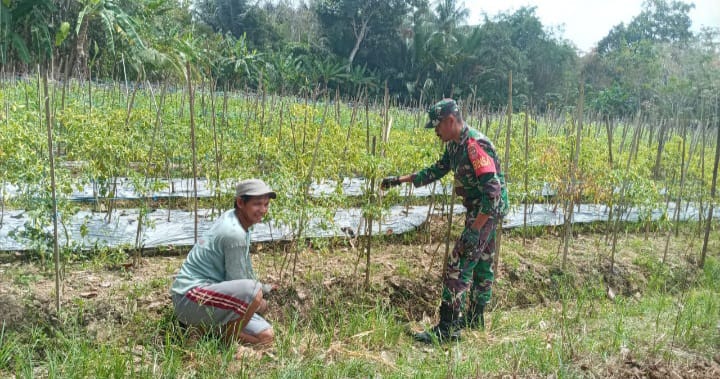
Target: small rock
(611, 293)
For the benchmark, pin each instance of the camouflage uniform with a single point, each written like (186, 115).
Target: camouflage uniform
(469, 264)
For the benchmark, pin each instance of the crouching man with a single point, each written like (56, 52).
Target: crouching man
(216, 285)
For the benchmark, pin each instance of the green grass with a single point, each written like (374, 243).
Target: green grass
(567, 326)
(361, 341)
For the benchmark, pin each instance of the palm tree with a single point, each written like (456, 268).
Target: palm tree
(443, 44)
(450, 16)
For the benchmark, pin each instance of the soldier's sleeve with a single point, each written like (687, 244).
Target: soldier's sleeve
(490, 184)
(492, 188)
(433, 172)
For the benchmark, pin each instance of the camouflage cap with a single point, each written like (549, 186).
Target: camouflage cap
(439, 111)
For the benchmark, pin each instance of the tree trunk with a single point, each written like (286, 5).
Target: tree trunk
(359, 37)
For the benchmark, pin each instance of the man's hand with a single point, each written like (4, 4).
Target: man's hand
(268, 288)
(470, 237)
(390, 181)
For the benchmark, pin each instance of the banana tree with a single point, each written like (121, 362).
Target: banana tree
(283, 71)
(239, 62)
(112, 17)
(324, 72)
(24, 26)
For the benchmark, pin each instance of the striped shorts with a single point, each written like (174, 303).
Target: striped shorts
(220, 303)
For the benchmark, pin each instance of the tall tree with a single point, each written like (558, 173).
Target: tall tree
(444, 44)
(630, 67)
(238, 18)
(549, 63)
(659, 21)
(362, 28)
(293, 23)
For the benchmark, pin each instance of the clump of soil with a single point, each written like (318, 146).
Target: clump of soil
(11, 309)
(630, 368)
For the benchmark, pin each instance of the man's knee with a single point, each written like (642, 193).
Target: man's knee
(266, 337)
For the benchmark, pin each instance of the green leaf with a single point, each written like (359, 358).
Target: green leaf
(62, 34)
(20, 47)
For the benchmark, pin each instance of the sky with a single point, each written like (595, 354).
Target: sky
(585, 22)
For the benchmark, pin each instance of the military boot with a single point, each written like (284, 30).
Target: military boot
(446, 330)
(475, 317)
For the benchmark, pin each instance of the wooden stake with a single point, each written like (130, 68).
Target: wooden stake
(713, 189)
(191, 100)
(498, 232)
(56, 252)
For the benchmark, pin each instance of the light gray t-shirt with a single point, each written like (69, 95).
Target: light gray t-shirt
(221, 254)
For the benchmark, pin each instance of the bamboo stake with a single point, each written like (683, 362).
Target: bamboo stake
(368, 231)
(610, 135)
(611, 213)
(130, 104)
(216, 145)
(573, 172)
(525, 176)
(661, 145)
(305, 122)
(359, 99)
(713, 189)
(307, 184)
(418, 123)
(385, 114)
(143, 210)
(453, 197)
(622, 207)
(637, 136)
(282, 119)
(667, 207)
(56, 252)
(191, 100)
(367, 126)
(682, 178)
(263, 104)
(702, 176)
(387, 125)
(89, 89)
(2, 184)
(337, 106)
(506, 169)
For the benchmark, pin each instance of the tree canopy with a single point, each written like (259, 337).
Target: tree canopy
(417, 48)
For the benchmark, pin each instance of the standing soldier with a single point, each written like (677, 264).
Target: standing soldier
(481, 183)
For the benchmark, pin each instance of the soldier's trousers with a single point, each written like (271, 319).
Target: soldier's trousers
(469, 268)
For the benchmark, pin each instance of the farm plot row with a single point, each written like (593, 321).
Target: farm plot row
(175, 228)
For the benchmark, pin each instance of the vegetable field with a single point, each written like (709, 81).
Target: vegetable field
(616, 297)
